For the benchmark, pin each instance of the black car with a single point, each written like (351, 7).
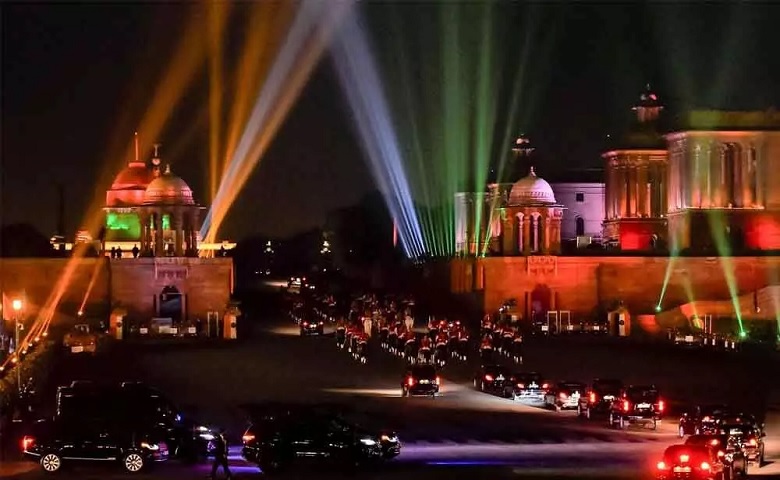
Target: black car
(701, 420)
(598, 400)
(312, 328)
(307, 437)
(726, 448)
(527, 387)
(690, 461)
(639, 404)
(53, 443)
(491, 379)
(186, 438)
(420, 380)
(564, 395)
(751, 439)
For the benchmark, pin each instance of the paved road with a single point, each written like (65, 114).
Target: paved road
(214, 381)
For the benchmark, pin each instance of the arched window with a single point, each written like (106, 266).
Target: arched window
(580, 226)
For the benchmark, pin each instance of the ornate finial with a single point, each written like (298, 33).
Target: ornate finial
(532, 173)
(157, 150)
(167, 168)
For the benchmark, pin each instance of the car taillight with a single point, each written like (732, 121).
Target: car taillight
(660, 405)
(410, 381)
(489, 378)
(321, 324)
(661, 466)
(305, 324)
(705, 419)
(721, 454)
(248, 437)
(626, 405)
(520, 385)
(438, 380)
(562, 396)
(546, 385)
(684, 458)
(592, 398)
(753, 442)
(704, 466)
(27, 443)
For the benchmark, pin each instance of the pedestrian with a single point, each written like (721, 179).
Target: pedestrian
(220, 455)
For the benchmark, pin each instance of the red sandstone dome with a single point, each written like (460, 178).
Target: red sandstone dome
(168, 189)
(135, 175)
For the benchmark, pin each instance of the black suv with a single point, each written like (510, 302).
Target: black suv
(749, 435)
(639, 404)
(491, 379)
(701, 420)
(306, 437)
(53, 443)
(598, 400)
(312, 327)
(726, 448)
(420, 380)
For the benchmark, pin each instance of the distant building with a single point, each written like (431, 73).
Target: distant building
(583, 217)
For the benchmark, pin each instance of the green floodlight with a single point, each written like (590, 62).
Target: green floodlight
(658, 308)
(742, 334)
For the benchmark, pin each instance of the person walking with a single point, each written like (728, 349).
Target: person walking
(220, 455)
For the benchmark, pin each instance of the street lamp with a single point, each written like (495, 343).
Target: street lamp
(16, 304)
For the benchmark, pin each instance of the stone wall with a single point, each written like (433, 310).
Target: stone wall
(132, 283)
(580, 284)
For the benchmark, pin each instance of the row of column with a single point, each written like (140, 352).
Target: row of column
(184, 226)
(636, 191)
(710, 174)
(533, 234)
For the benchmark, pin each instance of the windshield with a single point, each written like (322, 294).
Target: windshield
(529, 378)
(427, 371)
(642, 394)
(686, 454)
(711, 440)
(608, 386)
(742, 430)
(572, 387)
(712, 410)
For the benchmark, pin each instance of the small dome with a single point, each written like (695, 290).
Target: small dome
(531, 190)
(134, 176)
(168, 189)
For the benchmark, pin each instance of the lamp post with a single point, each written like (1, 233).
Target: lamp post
(17, 305)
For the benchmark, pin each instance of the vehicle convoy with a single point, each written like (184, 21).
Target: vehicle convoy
(140, 404)
(691, 461)
(61, 441)
(727, 448)
(564, 395)
(301, 435)
(749, 435)
(420, 380)
(82, 339)
(638, 405)
(598, 401)
(312, 327)
(702, 419)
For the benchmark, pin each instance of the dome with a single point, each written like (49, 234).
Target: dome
(135, 175)
(168, 189)
(531, 190)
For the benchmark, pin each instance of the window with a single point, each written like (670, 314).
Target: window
(579, 197)
(580, 225)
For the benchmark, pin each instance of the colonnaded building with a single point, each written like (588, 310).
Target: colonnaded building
(150, 260)
(690, 224)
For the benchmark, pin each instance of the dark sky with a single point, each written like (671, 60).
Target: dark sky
(70, 74)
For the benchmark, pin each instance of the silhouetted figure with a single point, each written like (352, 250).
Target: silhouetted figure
(113, 252)
(220, 455)
(222, 251)
(171, 252)
(136, 251)
(118, 252)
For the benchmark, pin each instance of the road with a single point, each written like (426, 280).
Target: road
(462, 431)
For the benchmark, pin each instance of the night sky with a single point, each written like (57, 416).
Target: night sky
(74, 77)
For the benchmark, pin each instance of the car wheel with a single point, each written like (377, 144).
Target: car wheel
(481, 386)
(587, 413)
(611, 420)
(556, 407)
(403, 392)
(622, 423)
(433, 395)
(579, 411)
(744, 472)
(655, 425)
(681, 431)
(51, 462)
(133, 462)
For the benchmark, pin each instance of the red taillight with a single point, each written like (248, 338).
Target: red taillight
(410, 381)
(546, 386)
(563, 396)
(704, 466)
(660, 405)
(438, 380)
(661, 466)
(626, 405)
(721, 454)
(592, 398)
(684, 458)
(248, 437)
(489, 378)
(305, 324)
(27, 443)
(753, 442)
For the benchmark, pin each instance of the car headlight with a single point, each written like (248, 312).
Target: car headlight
(150, 446)
(206, 436)
(368, 442)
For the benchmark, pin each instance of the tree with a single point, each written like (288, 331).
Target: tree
(23, 240)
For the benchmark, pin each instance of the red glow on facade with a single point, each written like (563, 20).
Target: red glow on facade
(635, 236)
(762, 232)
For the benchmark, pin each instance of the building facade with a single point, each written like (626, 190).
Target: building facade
(583, 217)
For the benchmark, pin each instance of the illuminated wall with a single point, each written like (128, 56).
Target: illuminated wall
(123, 226)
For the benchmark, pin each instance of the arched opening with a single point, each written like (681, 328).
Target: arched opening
(580, 226)
(171, 304)
(541, 300)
